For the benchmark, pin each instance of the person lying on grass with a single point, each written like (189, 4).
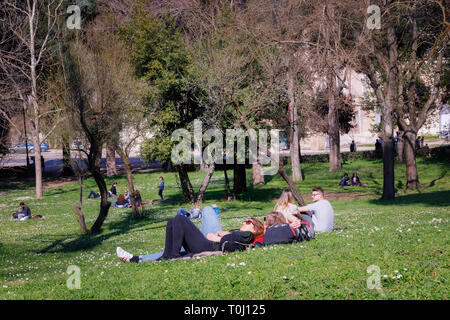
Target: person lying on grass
(181, 232)
(277, 229)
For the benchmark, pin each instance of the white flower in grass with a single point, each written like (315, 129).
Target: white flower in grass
(242, 264)
(249, 272)
(395, 271)
(399, 276)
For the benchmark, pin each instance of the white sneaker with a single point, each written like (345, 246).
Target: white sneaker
(123, 255)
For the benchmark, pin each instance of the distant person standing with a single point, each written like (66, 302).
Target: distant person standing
(353, 146)
(161, 187)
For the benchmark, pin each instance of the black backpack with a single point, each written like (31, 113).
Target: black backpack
(278, 234)
(305, 232)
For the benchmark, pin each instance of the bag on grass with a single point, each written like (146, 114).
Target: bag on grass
(279, 234)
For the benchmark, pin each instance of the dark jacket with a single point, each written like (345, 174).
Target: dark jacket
(235, 241)
(26, 211)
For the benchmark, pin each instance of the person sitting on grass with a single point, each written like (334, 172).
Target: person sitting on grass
(24, 213)
(195, 213)
(285, 205)
(181, 232)
(321, 212)
(355, 180)
(137, 198)
(345, 181)
(121, 203)
(126, 196)
(94, 195)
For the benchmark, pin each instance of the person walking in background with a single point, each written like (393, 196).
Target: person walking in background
(161, 188)
(353, 146)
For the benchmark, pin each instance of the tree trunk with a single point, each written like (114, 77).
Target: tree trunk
(239, 179)
(111, 169)
(67, 169)
(94, 168)
(37, 164)
(205, 183)
(289, 181)
(412, 177)
(294, 142)
(333, 128)
(186, 186)
(400, 146)
(80, 218)
(227, 183)
(128, 171)
(257, 168)
(388, 161)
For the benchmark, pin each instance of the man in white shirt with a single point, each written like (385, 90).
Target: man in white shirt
(322, 212)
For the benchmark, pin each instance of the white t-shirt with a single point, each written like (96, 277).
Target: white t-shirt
(323, 215)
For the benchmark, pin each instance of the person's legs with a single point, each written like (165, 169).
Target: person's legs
(183, 212)
(210, 221)
(92, 193)
(160, 194)
(182, 232)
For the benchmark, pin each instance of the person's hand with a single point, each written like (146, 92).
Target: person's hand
(295, 224)
(213, 237)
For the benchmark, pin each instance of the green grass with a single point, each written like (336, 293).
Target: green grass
(407, 238)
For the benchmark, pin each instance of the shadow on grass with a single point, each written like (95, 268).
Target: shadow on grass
(438, 198)
(109, 230)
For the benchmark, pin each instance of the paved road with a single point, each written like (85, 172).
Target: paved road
(53, 159)
(53, 162)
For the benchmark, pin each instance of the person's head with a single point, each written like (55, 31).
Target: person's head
(125, 192)
(346, 175)
(317, 194)
(121, 197)
(22, 204)
(114, 184)
(253, 225)
(273, 218)
(161, 178)
(285, 198)
(355, 174)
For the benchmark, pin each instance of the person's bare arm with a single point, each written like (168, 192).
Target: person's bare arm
(221, 233)
(303, 209)
(213, 237)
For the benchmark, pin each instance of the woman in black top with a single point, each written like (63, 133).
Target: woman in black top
(180, 231)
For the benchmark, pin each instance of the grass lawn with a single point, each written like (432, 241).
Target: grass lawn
(407, 239)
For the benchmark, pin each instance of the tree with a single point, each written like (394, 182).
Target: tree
(29, 29)
(96, 70)
(389, 57)
(162, 60)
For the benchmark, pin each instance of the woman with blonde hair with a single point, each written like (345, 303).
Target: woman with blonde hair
(286, 206)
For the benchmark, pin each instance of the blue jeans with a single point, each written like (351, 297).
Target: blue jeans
(93, 194)
(210, 224)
